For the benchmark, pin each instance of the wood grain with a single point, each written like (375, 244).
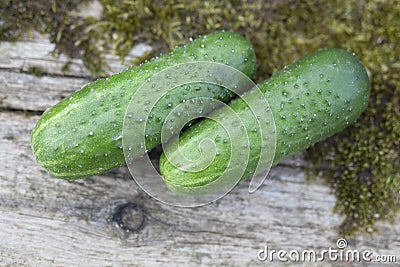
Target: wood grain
(107, 220)
(20, 90)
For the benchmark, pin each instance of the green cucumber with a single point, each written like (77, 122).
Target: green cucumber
(81, 135)
(312, 99)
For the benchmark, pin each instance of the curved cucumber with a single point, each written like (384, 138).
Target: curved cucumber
(312, 99)
(81, 135)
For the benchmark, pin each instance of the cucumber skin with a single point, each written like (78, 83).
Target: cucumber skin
(311, 99)
(82, 134)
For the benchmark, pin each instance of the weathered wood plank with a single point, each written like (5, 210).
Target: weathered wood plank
(38, 52)
(19, 90)
(27, 92)
(47, 221)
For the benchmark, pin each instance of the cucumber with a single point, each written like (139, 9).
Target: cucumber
(82, 134)
(311, 99)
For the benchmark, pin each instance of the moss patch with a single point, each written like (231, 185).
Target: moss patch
(360, 164)
(37, 71)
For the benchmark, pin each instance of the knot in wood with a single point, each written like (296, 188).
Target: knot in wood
(129, 217)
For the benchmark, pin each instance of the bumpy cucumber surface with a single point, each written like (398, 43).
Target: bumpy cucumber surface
(82, 134)
(312, 99)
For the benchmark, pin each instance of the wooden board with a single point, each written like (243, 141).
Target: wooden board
(107, 220)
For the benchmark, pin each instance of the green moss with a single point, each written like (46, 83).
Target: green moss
(54, 18)
(38, 72)
(360, 164)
